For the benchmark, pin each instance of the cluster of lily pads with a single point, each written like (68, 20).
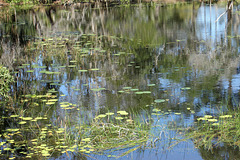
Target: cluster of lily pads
(159, 112)
(36, 137)
(53, 58)
(31, 139)
(210, 118)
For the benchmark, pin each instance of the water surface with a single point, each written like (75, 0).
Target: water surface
(87, 55)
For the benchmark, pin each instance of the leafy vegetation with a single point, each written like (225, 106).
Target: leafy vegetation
(106, 132)
(5, 80)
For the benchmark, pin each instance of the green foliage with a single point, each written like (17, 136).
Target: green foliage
(5, 80)
(17, 1)
(104, 132)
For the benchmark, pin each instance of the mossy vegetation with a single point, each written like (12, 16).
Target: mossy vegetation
(5, 80)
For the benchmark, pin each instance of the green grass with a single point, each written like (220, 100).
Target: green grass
(210, 132)
(36, 138)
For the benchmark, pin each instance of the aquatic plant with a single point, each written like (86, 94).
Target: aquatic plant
(104, 132)
(210, 132)
(5, 80)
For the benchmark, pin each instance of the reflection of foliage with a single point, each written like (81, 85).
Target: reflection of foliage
(217, 153)
(5, 80)
(63, 54)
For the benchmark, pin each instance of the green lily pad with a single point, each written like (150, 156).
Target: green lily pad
(156, 110)
(12, 130)
(52, 100)
(151, 85)
(226, 116)
(22, 122)
(27, 118)
(159, 100)
(139, 92)
(13, 116)
(109, 113)
(93, 69)
(30, 71)
(212, 120)
(82, 70)
(208, 116)
(86, 139)
(134, 89)
(185, 88)
(98, 89)
(147, 92)
(122, 112)
(102, 115)
(202, 119)
(177, 113)
(118, 118)
(50, 103)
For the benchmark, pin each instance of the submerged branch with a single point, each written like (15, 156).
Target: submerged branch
(224, 12)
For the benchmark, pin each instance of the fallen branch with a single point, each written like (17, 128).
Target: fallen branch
(225, 11)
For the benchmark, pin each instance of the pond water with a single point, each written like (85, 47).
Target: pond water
(161, 66)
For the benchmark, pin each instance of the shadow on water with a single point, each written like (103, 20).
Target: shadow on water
(167, 65)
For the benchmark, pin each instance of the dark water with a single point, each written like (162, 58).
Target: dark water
(171, 47)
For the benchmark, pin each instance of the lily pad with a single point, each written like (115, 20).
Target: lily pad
(139, 92)
(13, 116)
(177, 113)
(122, 112)
(151, 85)
(22, 122)
(102, 115)
(118, 118)
(208, 116)
(185, 88)
(12, 130)
(98, 89)
(212, 120)
(30, 71)
(27, 118)
(134, 89)
(86, 139)
(147, 92)
(83, 70)
(93, 69)
(109, 113)
(159, 100)
(226, 116)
